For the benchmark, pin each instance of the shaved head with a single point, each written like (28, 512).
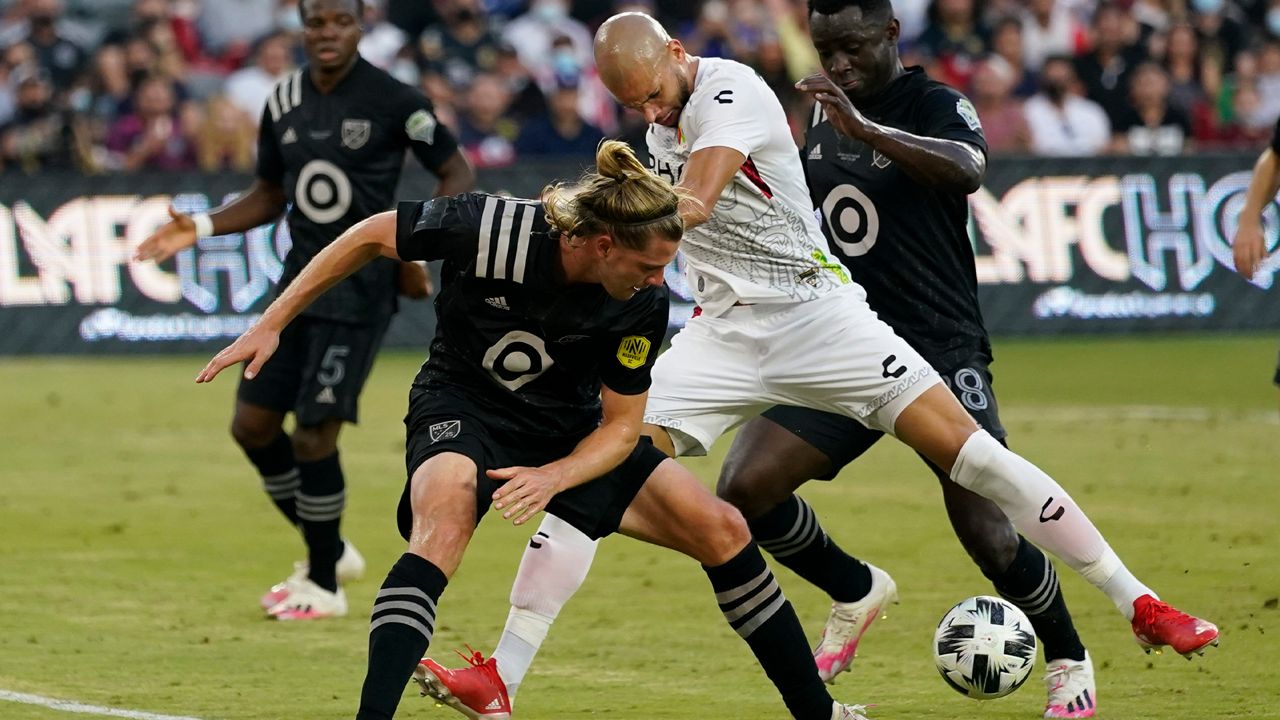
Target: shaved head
(629, 46)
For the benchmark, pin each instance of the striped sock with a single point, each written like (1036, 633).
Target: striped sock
(403, 619)
(1031, 583)
(790, 532)
(279, 471)
(757, 610)
(321, 500)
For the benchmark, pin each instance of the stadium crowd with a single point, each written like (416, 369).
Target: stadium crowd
(127, 85)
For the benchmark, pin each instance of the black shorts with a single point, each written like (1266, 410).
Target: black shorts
(843, 439)
(443, 421)
(318, 371)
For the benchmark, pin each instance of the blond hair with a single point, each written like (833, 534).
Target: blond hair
(621, 199)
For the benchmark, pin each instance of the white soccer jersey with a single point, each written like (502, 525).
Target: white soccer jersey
(762, 244)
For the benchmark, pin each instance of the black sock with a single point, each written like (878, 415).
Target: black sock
(400, 628)
(279, 473)
(791, 534)
(1031, 583)
(321, 499)
(755, 607)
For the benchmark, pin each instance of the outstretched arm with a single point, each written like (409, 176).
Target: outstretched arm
(946, 165)
(354, 249)
(1249, 246)
(528, 490)
(262, 203)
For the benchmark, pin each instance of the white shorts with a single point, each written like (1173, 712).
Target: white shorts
(831, 354)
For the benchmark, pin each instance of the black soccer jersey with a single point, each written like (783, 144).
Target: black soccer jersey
(906, 244)
(530, 351)
(1275, 138)
(338, 157)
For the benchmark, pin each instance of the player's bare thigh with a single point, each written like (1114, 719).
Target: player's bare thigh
(442, 494)
(674, 510)
(936, 426)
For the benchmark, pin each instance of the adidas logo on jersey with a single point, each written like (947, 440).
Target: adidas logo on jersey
(290, 136)
(498, 302)
(494, 704)
(326, 397)
(816, 152)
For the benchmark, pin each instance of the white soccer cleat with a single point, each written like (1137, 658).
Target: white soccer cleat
(848, 712)
(308, 601)
(848, 621)
(350, 568)
(1073, 692)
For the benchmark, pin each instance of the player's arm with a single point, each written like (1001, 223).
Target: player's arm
(263, 202)
(527, 490)
(358, 246)
(936, 163)
(706, 174)
(1249, 246)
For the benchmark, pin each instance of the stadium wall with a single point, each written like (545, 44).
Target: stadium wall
(1103, 245)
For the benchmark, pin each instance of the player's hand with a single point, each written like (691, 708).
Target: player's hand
(844, 117)
(177, 234)
(256, 345)
(414, 281)
(1248, 248)
(526, 492)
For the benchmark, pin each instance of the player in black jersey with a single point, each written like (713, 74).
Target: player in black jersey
(550, 317)
(330, 149)
(891, 156)
(1249, 246)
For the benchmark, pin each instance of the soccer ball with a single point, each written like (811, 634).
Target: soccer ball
(984, 647)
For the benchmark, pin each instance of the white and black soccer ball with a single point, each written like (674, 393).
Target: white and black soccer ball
(985, 647)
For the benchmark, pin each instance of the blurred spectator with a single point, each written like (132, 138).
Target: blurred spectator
(59, 55)
(484, 131)
(1192, 77)
(1062, 122)
(561, 132)
(1152, 126)
(1152, 16)
(913, 17)
(40, 136)
(1271, 19)
(167, 31)
(152, 137)
(724, 33)
(463, 45)
(595, 104)
(1221, 27)
(1049, 28)
(955, 40)
(534, 35)
(443, 98)
(1105, 70)
(248, 88)
(527, 100)
(1268, 79)
(1006, 44)
(226, 136)
(228, 27)
(1004, 123)
(382, 42)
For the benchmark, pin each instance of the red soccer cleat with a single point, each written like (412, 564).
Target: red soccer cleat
(476, 691)
(1157, 624)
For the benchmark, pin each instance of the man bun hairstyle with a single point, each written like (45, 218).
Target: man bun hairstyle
(621, 199)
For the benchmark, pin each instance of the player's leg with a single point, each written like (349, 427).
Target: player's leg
(441, 498)
(675, 511)
(773, 455)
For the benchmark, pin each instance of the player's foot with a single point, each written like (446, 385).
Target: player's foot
(308, 601)
(1073, 693)
(848, 712)
(350, 567)
(848, 621)
(1157, 624)
(476, 691)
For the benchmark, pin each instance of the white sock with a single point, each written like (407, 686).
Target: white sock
(553, 567)
(1044, 513)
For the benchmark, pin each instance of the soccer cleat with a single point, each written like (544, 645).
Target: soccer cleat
(848, 621)
(848, 712)
(1157, 624)
(476, 691)
(308, 601)
(1073, 693)
(350, 567)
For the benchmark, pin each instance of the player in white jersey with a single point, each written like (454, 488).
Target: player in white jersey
(780, 323)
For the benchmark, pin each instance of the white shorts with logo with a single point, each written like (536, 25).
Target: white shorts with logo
(830, 354)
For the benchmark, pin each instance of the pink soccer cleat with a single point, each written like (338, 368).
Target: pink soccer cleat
(847, 622)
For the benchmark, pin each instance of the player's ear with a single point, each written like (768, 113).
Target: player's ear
(893, 30)
(603, 245)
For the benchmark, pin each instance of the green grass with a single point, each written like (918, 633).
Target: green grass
(134, 542)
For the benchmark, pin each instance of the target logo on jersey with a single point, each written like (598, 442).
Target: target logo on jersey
(323, 192)
(517, 359)
(852, 219)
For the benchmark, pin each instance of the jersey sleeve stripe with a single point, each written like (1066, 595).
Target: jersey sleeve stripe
(522, 242)
(295, 89)
(486, 236)
(501, 257)
(273, 103)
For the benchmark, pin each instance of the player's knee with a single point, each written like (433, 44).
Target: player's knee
(312, 443)
(747, 487)
(727, 533)
(249, 434)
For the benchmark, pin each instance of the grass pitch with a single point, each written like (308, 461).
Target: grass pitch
(135, 541)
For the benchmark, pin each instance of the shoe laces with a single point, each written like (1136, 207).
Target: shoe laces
(1154, 611)
(1059, 680)
(854, 712)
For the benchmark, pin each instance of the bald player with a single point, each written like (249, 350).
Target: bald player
(781, 323)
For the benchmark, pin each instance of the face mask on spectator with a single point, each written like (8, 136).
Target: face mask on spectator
(1273, 21)
(551, 11)
(565, 62)
(1208, 7)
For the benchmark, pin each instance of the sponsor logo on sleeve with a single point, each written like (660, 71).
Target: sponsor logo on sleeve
(421, 126)
(633, 351)
(968, 113)
(446, 430)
